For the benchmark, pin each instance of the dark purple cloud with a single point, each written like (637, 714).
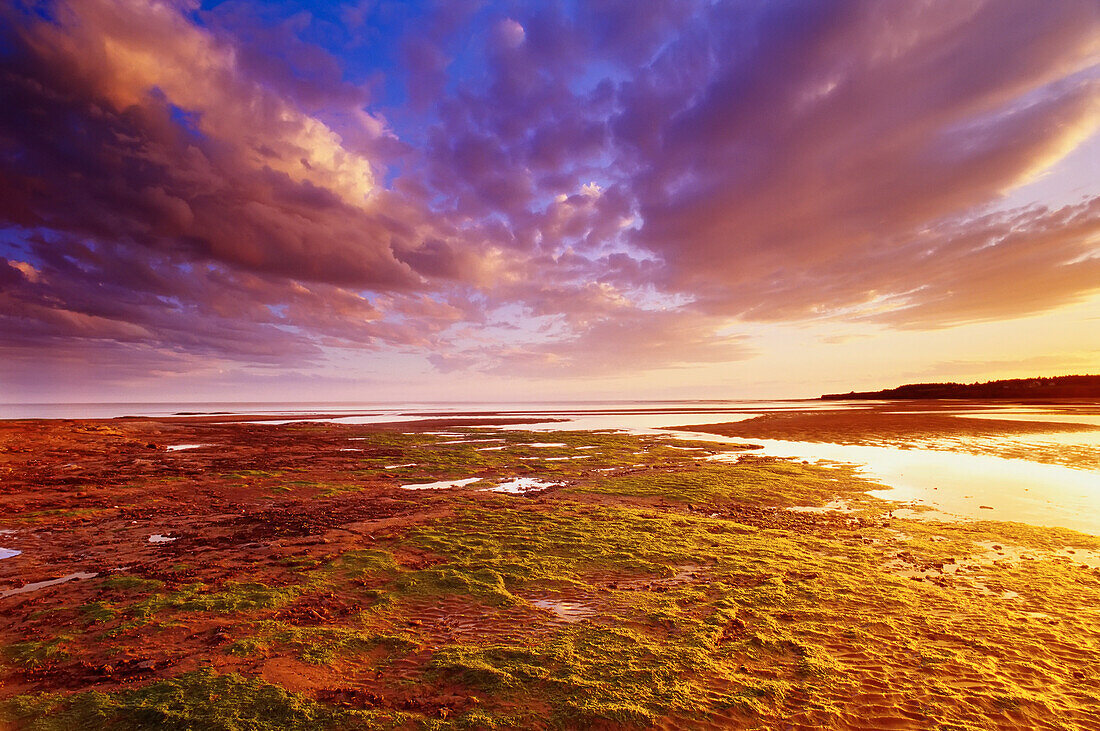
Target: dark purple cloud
(531, 188)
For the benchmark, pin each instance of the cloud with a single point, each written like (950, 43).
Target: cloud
(125, 123)
(509, 34)
(998, 267)
(632, 340)
(541, 188)
(1055, 363)
(803, 177)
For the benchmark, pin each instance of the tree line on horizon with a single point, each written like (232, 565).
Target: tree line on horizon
(1042, 387)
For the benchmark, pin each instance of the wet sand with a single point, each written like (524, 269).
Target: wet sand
(643, 586)
(905, 426)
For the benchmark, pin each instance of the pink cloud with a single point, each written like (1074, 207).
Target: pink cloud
(620, 185)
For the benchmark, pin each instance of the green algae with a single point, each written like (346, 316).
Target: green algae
(99, 611)
(750, 480)
(364, 562)
(196, 701)
(434, 457)
(36, 654)
(566, 544)
(40, 516)
(785, 595)
(588, 671)
(315, 645)
(231, 597)
(249, 647)
(321, 645)
(484, 583)
(234, 597)
(133, 602)
(591, 673)
(252, 474)
(1044, 538)
(607, 671)
(690, 621)
(129, 582)
(303, 564)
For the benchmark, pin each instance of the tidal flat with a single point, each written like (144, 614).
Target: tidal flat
(282, 576)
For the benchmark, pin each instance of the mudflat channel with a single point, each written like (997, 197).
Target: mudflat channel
(461, 573)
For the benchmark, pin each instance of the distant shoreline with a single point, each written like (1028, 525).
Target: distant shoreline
(1016, 388)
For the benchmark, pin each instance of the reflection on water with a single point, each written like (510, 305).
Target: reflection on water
(956, 474)
(43, 584)
(566, 611)
(523, 485)
(1018, 415)
(636, 423)
(442, 484)
(1079, 450)
(942, 473)
(960, 483)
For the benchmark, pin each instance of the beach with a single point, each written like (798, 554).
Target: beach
(454, 571)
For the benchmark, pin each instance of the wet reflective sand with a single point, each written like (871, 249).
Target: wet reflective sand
(303, 565)
(1030, 462)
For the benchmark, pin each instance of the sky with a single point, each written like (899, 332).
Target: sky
(467, 200)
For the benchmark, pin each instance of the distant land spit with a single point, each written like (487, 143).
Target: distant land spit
(1015, 388)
